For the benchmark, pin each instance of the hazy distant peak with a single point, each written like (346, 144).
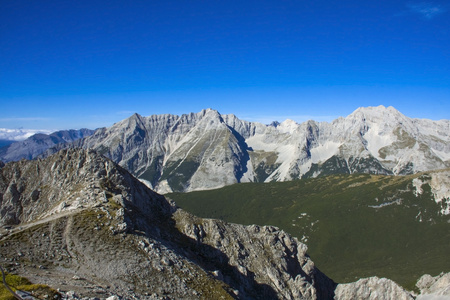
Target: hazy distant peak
(288, 126)
(208, 110)
(379, 114)
(374, 110)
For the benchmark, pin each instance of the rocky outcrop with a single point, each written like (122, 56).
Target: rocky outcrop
(372, 288)
(295, 276)
(68, 180)
(436, 287)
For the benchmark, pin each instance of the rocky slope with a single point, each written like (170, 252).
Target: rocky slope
(77, 221)
(374, 288)
(209, 150)
(80, 223)
(438, 286)
(38, 143)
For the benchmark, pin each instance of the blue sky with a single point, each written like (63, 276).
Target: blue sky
(73, 64)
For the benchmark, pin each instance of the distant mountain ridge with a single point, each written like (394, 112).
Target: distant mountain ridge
(207, 150)
(40, 142)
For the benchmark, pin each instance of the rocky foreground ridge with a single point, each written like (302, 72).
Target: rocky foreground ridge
(79, 222)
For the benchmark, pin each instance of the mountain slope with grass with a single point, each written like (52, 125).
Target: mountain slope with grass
(78, 222)
(355, 225)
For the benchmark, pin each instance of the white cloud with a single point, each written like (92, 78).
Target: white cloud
(19, 134)
(427, 10)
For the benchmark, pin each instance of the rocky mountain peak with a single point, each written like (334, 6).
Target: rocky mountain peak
(210, 112)
(274, 124)
(288, 126)
(72, 179)
(379, 115)
(208, 150)
(135, 118)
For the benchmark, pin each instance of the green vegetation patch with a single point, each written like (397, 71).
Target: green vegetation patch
(16, 282)
(354, 225)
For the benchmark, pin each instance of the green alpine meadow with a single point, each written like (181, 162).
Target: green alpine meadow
(355, 226)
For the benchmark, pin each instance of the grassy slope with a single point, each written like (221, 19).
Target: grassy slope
(346, 238)
(20, 283)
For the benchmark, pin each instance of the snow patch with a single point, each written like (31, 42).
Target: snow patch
(286, 154)
(377, 140)
(258, 142)
(323, 152)
(305, 167)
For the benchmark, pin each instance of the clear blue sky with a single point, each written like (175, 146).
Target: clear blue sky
(72, 64)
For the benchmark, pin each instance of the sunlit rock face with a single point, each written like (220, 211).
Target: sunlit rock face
(207, 150)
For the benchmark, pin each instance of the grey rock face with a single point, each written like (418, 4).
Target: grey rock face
(66, 181)
(81, 223)
(295, 276)
(372, 288)
(39, 143)
(434, 286)
(431, 288)
(209, 150)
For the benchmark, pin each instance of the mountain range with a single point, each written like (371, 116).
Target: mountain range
(207, 150)
(78, 222)
(38, 143)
